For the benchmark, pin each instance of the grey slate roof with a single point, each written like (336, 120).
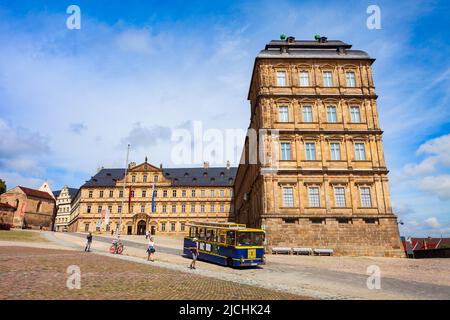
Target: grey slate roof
(213, 176)
(311, 49)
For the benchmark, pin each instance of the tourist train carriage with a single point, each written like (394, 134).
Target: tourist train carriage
(226, 243)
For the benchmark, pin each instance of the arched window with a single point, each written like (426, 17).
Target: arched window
(38, 209)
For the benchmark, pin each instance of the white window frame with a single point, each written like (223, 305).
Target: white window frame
(366, 197)
(304, 78)
(281, 78)
(328, 79)
(314, 197)
(335, 151)
(283, 114)
(285, 151)
(355, 117)
(360, 153)
(331, 114)
(339, 197)
(307, 115)
(310, 151)
(351, 80)
(288, 197)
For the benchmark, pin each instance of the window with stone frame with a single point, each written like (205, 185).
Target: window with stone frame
(339, 197)
(366, 199)
(283, 114)
(335, 151)
(174, 208)
(360, 151)
(281, 78)
(183, 208)
(310, 150)
(307, 114)
(192, 207)
(331, 114)
(288, 197)
(350, 77)
(327, 79)
(304, 78)
(355, 115)
(314, 197)
(285, 151)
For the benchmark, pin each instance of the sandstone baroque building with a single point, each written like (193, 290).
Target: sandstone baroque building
(181, 195)
(323, 183)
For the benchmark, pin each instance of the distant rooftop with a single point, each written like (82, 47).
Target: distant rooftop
(323, 49)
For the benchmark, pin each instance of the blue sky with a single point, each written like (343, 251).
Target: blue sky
(70, 100)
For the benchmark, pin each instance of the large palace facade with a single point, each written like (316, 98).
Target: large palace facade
(181, 195)
(323, 182)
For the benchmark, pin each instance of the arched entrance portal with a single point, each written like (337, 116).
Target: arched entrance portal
(141, 228)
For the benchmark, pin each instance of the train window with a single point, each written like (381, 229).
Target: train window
(201, 233)
(192, 232)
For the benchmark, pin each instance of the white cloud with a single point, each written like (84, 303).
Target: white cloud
(135, 40)
(439, 148)
(437, 185)
(432, 222)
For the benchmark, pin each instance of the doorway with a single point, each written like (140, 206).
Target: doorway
(153, 230)
(141, 228)
(129, 230)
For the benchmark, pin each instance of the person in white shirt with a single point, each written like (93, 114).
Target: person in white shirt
(151, 249)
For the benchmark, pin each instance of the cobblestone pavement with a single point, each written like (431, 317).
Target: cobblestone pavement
(317, 277)
(320, 277)
(38, 273)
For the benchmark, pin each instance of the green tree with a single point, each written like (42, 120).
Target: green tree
(2, 186)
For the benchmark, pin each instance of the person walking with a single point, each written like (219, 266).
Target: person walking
(89, 242)
(194, 251)
(151, 249)
(147, 235)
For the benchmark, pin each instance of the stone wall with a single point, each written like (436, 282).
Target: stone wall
(355, 239)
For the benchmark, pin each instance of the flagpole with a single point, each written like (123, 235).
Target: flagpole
(123, 190)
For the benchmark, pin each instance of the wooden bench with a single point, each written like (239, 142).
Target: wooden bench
(307, 251)
(327, 252)
(281, 250)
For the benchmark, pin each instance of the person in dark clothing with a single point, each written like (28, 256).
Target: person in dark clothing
(194, 251)
(89, 241)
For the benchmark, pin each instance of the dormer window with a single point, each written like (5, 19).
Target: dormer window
(186, 174)
(205, 174)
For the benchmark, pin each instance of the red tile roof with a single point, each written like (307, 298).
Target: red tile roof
(6, 206)
(36, 193)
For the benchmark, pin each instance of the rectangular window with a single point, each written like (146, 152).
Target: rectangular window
(202, 193)
(339, 197)
(288, 197)
(144, 178)
(183, 193)
(183, 208)
(355, 114)
(99, 209)
(350, 76)
(144, 193)
(119, 209)
(285, 151)
(172, 227)
(281, 78)
(88, 209)
(344, 221)
(174, 208)
(193, 193)
(360, 152)
(202, 208)
(163, 227)
(310, 148)
(313, 195)
(121, 194)
(165, 193)
(133, 178)
(366, 201)
(182, 226)
(211, 193)
(101, 194)
(283, 114)
(317, 220)
(109, 209)
(155, 178)
(132, 193)
(111, 193)
(304, 79)
(371, 220)
(331, 114)
(327, 79)
(164, 208)
(192, 207)
(222, 208)
(142, 209)
(335, 150)
(174, 193)
(222, 193)
(90, 194)
(86, 227)
(211, 208)
(307, 114)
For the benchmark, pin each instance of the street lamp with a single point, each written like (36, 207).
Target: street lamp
(123, 191)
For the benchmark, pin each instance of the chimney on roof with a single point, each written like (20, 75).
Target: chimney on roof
(132, 165)
(205, 164)
(160, 166)
(228, 164)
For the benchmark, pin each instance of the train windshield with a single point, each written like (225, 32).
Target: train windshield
(250, 238)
